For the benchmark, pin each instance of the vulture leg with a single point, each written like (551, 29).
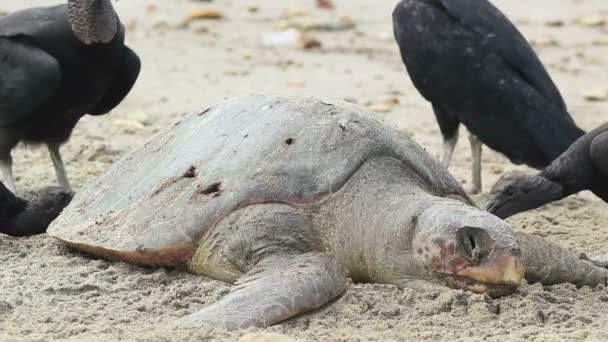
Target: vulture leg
(6, 165)
(62, 176)
(449, 144)
(476, 146)
(449, 131)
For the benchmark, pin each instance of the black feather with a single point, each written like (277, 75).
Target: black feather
(30, 216)
(584, 166)
(476, 68)
(49, 79)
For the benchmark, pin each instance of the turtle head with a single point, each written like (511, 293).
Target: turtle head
(466, 248)
(516, 192)
(93, 21)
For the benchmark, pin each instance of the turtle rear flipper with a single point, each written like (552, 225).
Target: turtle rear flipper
(277, 288)
(600, 260)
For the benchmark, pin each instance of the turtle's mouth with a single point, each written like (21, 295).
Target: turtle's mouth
(492, 289)
(472, 260)
(499, 276)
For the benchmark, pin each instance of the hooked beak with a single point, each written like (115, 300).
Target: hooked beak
(494, 207)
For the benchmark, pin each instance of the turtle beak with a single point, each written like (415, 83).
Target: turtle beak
(500, 276)
(475, 262)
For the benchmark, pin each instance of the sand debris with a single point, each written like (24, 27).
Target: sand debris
(591, 20)
(597, 95)
(204, 12)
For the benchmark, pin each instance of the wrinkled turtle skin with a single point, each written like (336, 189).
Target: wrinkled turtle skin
(287, 198)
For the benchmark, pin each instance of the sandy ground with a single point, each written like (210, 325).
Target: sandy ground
(50, 293)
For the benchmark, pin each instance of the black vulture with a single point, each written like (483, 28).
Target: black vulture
(57, 64)
(32, 215)
(584, 166)
(476, 68)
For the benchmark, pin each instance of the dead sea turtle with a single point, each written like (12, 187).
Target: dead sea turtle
(287, 197)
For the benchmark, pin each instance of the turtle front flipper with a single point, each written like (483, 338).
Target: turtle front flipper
(547, 263)
(277, 288)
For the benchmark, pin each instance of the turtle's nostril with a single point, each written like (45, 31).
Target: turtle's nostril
(473, 243)
(516, 252)
(470, 247)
